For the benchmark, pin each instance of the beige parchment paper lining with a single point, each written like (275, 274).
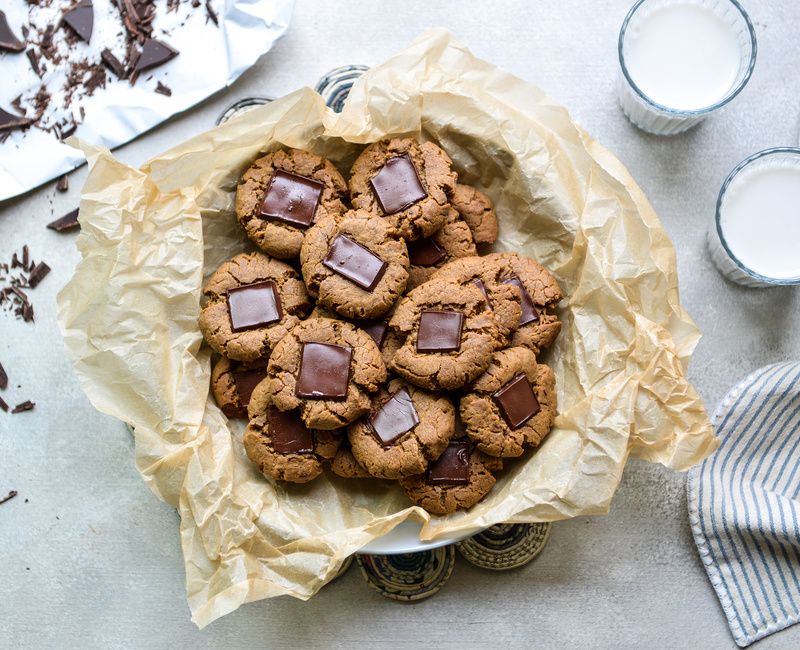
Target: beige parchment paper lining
(150, 236)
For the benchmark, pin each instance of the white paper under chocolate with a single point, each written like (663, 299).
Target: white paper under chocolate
(150, 236)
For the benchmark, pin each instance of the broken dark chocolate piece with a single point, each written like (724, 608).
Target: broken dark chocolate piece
(324, 371)
(287, 432)
(396, 417)
(68, 222)
(254, 305)
(62, 184)
(516, 401)
(38, 274)
(529, 313)
(27, 405)
(33, 59)
(439, 331)
(397, 185)
(246, 382)
(81, 19)
(113, 63)
(353, 261)
(377, 329)
(211, 13)
(452, 467)
(161, 89)
(3, 378)
(292, 199)
(11, 495)
(10, 121)
(154, 54)
(425, 252)
(3, 405)
(8, 40)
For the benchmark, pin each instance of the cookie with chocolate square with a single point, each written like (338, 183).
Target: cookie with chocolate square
(327, 370)
(452, 241)
(251, 301)
(457, 480)
(354, 266)
(448, 336)
(280, 444)
(477, 211)
(406, 428)
(233, 383)
(512, 405)
(406, 183)
(283, 194)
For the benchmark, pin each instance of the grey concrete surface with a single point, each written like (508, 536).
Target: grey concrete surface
(89, 558)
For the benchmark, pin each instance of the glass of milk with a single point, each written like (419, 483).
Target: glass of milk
(755, 239)
(681, 60)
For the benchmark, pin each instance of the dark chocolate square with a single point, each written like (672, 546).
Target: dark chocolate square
(353, 261)
(397, 185)
(517, 402)
(452, 467)
(529, 313)
(324, 371)
(291, 199)
(425, 252)
(377, 329)
(246, 381)
(254, 305)
(396, 417)
(440, 331)
(287, 432)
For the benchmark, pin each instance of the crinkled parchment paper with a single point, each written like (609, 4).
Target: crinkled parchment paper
(151, 235)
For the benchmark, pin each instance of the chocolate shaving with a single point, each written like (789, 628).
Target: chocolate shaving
(38, 274)
(154, 54)
(11, 495)
(163, 90)
(3, 378)
(113, 63)
(68, 222)
(3, 405)
(10, 121)
(27, 405)
(27, 312)
(62, 185)
(212, 15)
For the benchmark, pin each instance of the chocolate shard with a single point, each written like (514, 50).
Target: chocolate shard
(10, 495)
(27, 405)
(9, 121)
(113, 63)
(81, 19)
(8, 40)
(38, 274)
(377, 329)
(68, 222)
(529, 311)
(161, 89)
(211, 13)
(154, 54)
(3, 405)
(3, 378)
(27, 312)
(62, 185)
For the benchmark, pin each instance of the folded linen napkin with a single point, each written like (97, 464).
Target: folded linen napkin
(744, 504)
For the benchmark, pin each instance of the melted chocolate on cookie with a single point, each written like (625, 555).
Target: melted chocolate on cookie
(254, 305)
(517, 402)
(452, 467)
(291, 199)
(529, 313)
(288, 433)
(396, 417)
(397, 185)
(425, 252)
(324, 371)
(440, 331)
(354, 262)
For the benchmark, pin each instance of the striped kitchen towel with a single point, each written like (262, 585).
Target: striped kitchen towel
(744, 508)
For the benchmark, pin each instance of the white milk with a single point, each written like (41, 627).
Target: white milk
(682, 56)
(760, 218)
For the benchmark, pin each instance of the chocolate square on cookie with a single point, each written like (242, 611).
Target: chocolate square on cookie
(452, 467)
(246, 382)
(377, 329)
(353, 261)
(288, 433)
(439, 331)
(529, 313)
(254, 305)
(517, 402)
(291, 199)
(425, 252)
(397, 185)
(396, 417)
(324, 371)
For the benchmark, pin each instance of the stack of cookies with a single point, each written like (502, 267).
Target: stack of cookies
(371, 336)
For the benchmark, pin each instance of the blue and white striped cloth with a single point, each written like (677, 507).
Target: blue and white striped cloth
(744, 507)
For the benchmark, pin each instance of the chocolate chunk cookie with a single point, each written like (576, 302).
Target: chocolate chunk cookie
(448, 335)
(252, 300)
(326, 369)
(344, 464)
(476, 209)
(407, 183)
(406, 428)
(280, 444)
(427, 255)
(233, 383)
(354, 265)
(457, 480)
(511, 405)
(282, 194)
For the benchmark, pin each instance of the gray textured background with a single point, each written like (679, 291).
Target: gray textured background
(93, 559)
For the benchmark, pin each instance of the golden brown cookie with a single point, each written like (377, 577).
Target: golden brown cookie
(452, 241)
(281, 446)
(233, 383)
(344, 464)
(283, 194)
(448, 335)
(406, 428)
(354, 266)
(477, 211)
(510, 406)
(252, 300)
(457, 480)
(407, 183)
(326, 369)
